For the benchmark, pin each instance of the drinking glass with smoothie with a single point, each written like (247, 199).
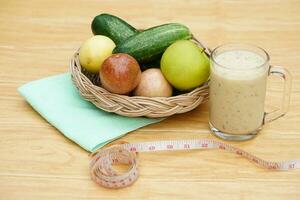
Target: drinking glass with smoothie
(238, 88)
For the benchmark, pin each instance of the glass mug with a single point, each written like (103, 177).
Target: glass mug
(238, 88)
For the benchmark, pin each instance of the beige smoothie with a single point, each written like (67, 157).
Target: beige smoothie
(237, 91)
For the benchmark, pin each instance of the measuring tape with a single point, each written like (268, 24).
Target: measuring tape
(102, 172)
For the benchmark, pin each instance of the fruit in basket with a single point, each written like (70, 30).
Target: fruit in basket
(185, 65)
(120, 73)
(113, 27)
(149, 44)
(153, 84)
(94, 51)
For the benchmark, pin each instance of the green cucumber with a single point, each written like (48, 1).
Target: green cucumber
(149, 44)
(113, 27)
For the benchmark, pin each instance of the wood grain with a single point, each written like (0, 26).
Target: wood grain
(37, 39)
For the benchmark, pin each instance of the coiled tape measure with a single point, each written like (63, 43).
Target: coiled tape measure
(101, 165)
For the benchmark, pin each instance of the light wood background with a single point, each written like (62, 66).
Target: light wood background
(37, 39)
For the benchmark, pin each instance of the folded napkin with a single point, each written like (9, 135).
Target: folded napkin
(58, 101)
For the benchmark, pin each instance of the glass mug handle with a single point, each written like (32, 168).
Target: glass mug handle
(287, 78)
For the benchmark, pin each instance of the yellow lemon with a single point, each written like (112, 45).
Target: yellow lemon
(94, 51)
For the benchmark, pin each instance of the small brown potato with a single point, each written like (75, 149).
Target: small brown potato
(153, 84)
(120, 73)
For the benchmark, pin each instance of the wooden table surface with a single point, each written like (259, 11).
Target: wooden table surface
(37, 39)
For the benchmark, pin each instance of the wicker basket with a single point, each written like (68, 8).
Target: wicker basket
(135, 106)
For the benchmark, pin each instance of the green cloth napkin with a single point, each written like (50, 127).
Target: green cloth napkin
(58, 101)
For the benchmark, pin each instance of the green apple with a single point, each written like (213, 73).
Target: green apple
(184, 65)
